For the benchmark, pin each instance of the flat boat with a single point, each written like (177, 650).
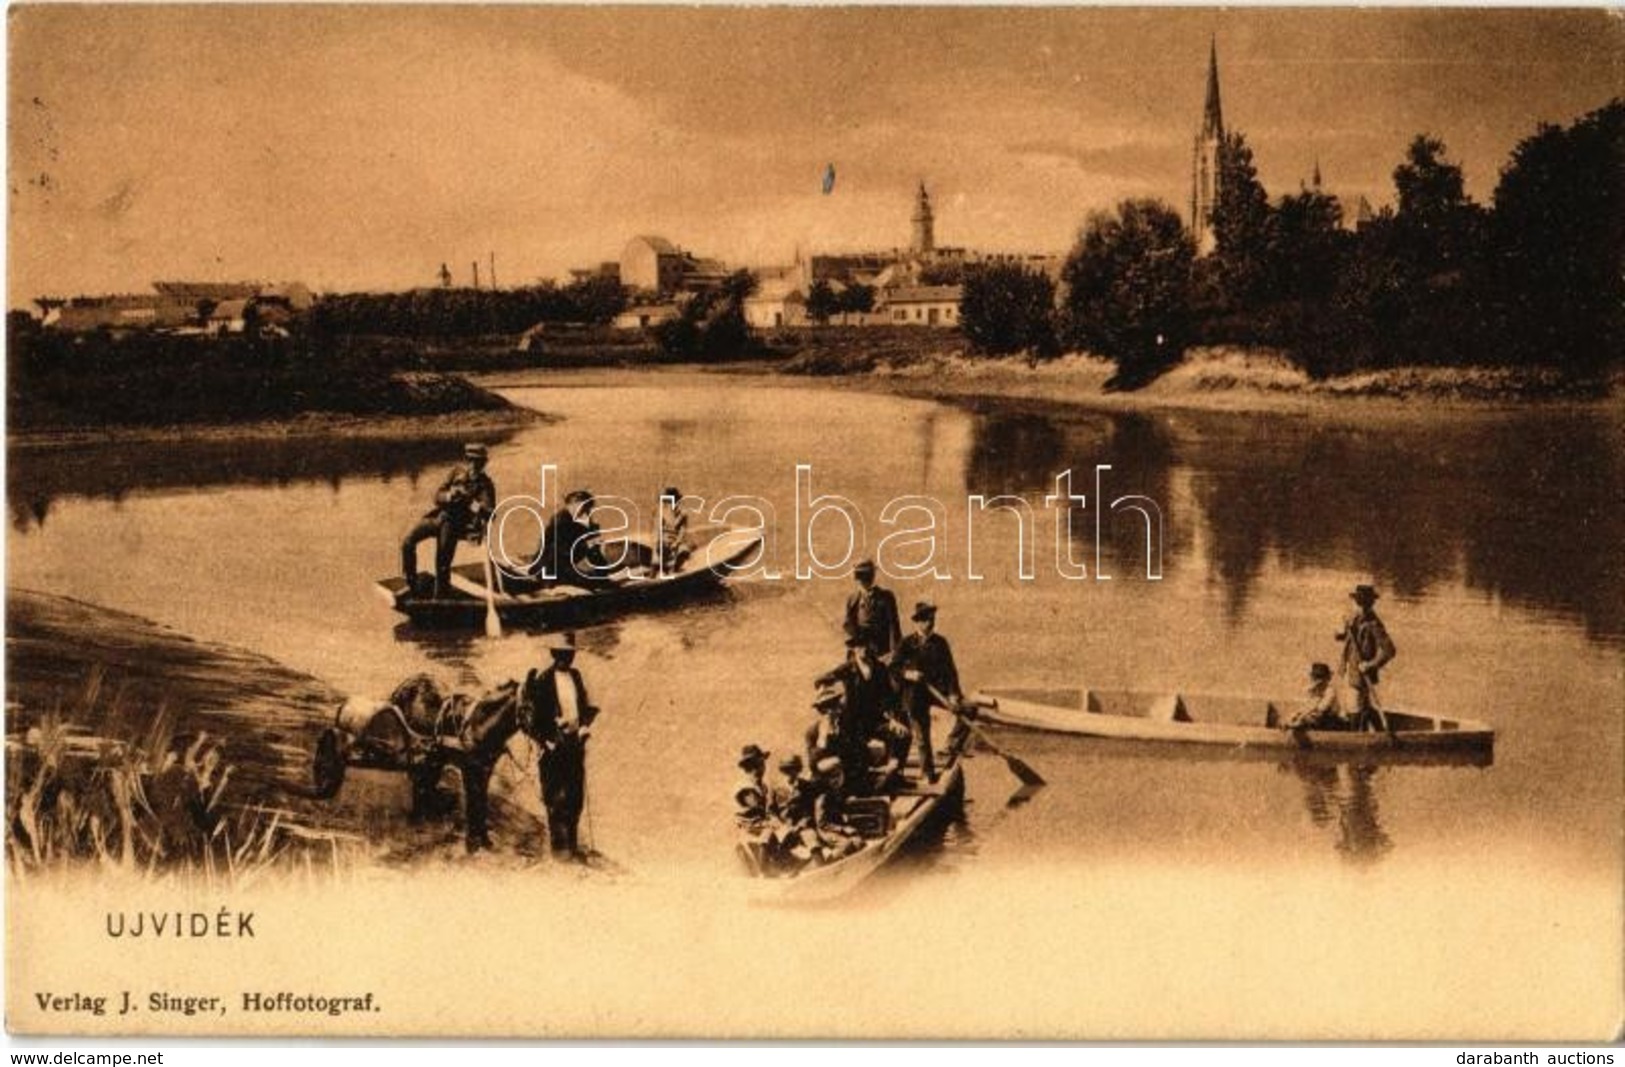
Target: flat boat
(635, 586)
(909, 807)
(1236, 721)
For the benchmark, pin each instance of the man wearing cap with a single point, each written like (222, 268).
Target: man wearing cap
(1367, 648)
(569, 544)
(871, 612)
(924, 663)
(560, 720)
(462, 507)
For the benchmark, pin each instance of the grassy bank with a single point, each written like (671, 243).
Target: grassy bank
(129, 746)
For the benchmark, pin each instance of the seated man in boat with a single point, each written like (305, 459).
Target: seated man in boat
(823, 735)
(569, 551)
(867, 694)
(675, 544)
(924, 666)
(1322, 710)
(835, 838)
(462, 507)
(792, 839)
(750, 793)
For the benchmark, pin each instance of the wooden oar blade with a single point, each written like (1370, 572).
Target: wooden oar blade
(1021, 770)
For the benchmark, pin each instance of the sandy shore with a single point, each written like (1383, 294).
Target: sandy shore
(1231, 380)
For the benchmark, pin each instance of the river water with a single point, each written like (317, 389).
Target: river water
(1493, 536)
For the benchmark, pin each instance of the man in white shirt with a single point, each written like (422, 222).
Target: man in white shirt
(561, 719)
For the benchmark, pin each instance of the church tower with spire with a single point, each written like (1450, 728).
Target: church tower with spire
(925, 240)
(1205, 160)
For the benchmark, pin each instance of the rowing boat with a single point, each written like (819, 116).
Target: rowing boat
(1243, 722)
(911, 805)
(635, 586)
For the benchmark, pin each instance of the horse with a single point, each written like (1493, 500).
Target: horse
(468, 732)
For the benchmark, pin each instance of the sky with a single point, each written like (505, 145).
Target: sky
(360, 147)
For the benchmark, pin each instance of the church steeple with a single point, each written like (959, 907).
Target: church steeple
(1205, 159)
(1213, 114)
(925, 241)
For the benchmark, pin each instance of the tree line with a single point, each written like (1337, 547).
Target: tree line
(447, 313)
(1537, 277)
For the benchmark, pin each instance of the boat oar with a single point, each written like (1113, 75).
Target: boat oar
(1376, 707)
(1018, 767)
(493, 621)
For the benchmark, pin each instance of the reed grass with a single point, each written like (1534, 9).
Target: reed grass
(127, 789)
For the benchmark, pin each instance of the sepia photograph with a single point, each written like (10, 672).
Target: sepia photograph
(815, 523)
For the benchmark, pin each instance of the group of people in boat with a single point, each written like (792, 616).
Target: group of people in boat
(1367, 648)
(571, 551)
(871, 710)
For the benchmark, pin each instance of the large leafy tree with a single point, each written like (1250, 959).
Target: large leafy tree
(1558, 237)
(712, 324)
(822, 302)
(1128, 288)
(1006, 308)
(1241, 221)
(1437, 224)
(1306, 244)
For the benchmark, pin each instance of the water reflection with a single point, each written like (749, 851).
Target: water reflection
(1515, 506)
(37, 477)
(1021, 452)
(1343, 796)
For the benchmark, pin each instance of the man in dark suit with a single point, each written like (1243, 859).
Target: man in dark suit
(570, 544)
(871, 612)
(462, 507)
(561, 719)
(866, 695)
(923, 663)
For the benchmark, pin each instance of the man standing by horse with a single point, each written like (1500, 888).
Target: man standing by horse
(560, 718)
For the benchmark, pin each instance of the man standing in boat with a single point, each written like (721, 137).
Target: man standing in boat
(924, 665)
(462, 507)
(871, 612)
(561, 719)
(1367, 648)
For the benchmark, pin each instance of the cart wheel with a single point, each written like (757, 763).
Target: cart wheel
(327, 770)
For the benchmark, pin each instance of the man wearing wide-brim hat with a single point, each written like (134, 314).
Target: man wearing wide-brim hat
(1367, 648)
(462, 507)
(561, 719)
(925, 670)
(750, 793)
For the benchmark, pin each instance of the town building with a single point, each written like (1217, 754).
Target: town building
(655, 265)
(644, 316)
(923, 305)
(216, 307)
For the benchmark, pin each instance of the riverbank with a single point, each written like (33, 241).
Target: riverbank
(73, 389)
(311, 424)
(1224, 378)
(104, 706)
